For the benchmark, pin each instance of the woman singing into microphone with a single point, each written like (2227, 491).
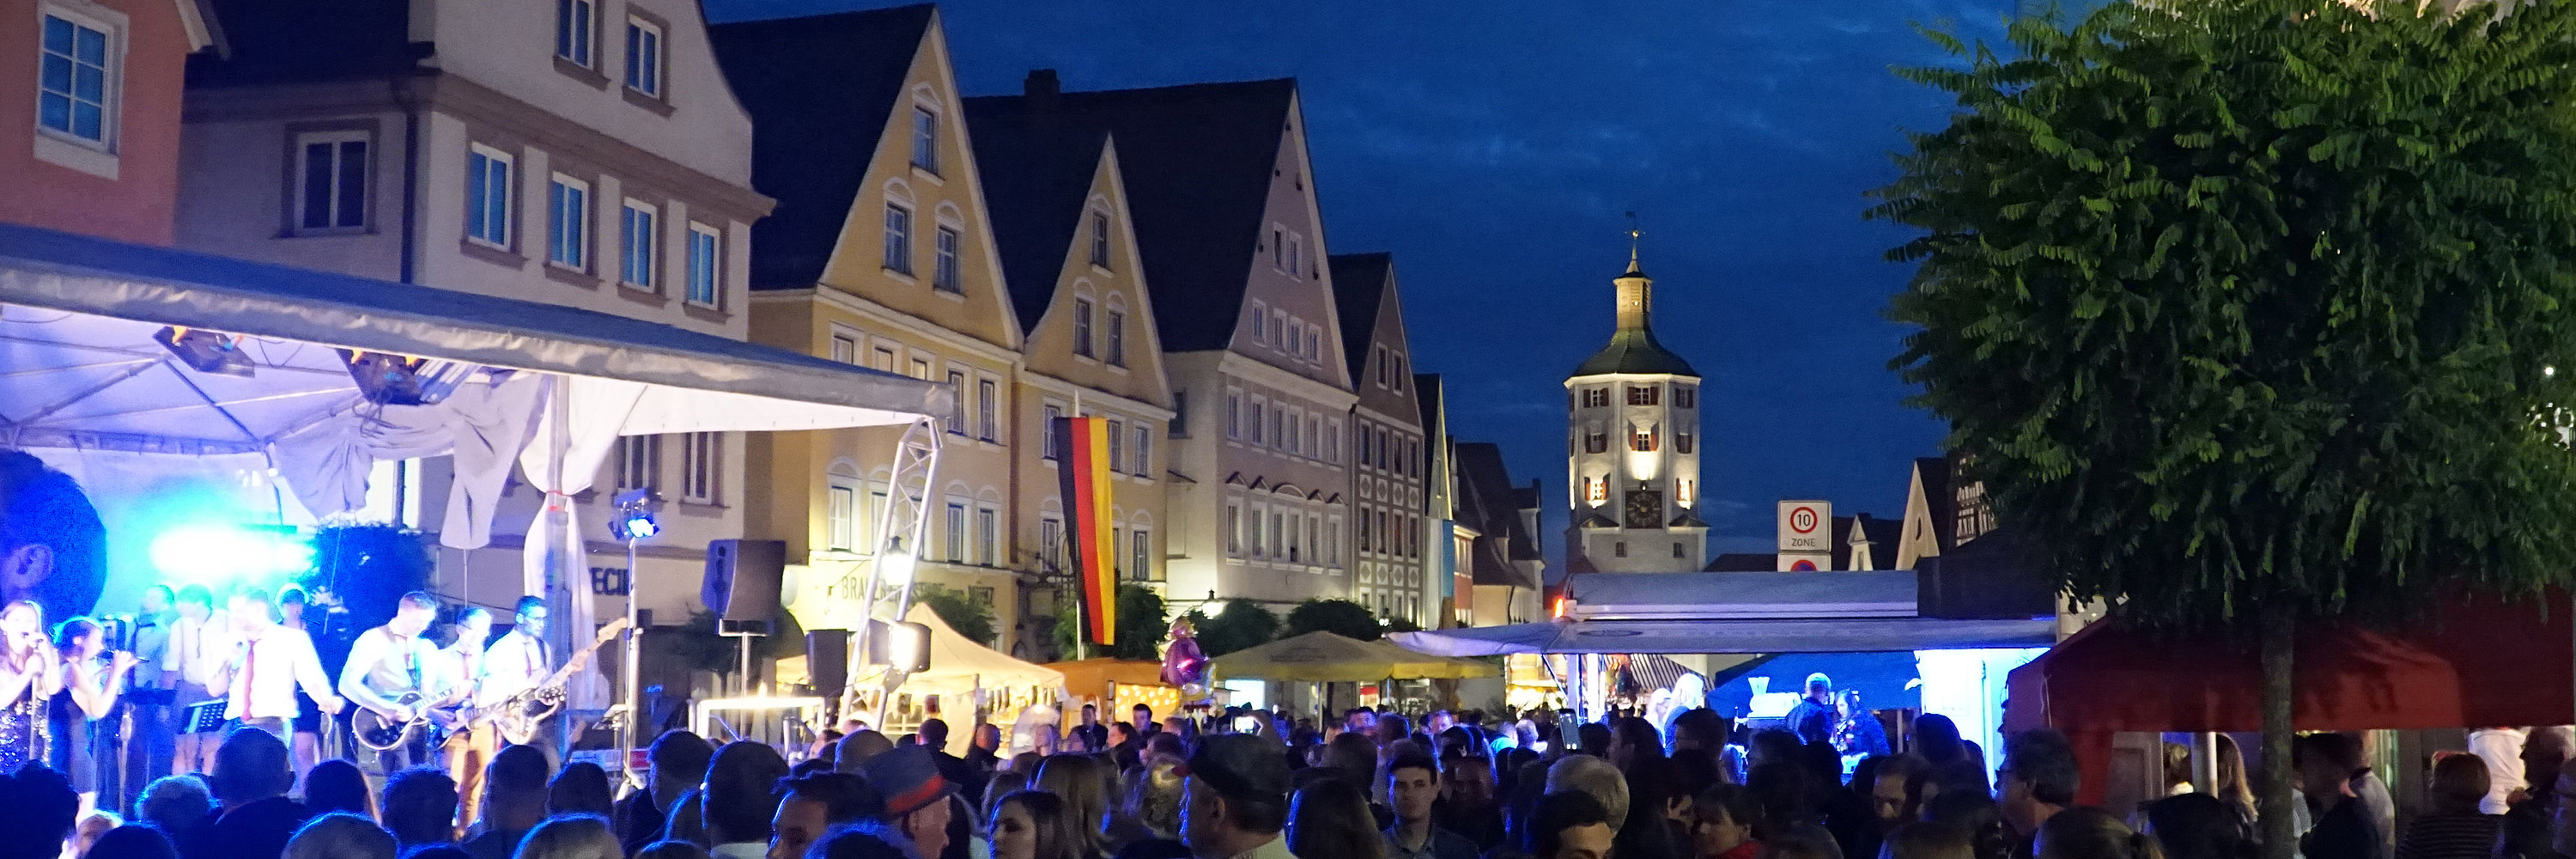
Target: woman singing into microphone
(92, 680)
(29, 676)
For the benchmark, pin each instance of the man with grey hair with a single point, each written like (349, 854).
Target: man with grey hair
(1592, 776)
(1813, 719)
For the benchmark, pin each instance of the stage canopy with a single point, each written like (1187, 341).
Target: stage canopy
(2472, 661)
(1322, 657)
(1722, 635)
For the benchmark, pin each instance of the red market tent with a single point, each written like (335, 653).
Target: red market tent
(2473, 661)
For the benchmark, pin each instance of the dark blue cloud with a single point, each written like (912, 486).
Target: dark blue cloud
(1493, 148)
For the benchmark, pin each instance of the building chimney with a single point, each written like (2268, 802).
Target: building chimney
(1041, 83)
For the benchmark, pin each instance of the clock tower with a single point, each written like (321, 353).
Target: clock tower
(1632, 448)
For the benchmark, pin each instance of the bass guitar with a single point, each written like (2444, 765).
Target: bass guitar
(519, 716)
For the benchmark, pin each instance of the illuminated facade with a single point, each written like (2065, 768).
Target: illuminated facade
(1632, 449)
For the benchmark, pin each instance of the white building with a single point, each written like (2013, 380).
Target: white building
(1632, 449)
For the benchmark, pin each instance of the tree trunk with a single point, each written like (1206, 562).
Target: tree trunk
(2280, 627)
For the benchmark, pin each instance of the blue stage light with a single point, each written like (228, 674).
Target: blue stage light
(220, 556)
(632, 521)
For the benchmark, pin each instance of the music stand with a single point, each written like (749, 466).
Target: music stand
(204, 718)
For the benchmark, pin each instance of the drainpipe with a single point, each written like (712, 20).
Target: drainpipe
(409, 101)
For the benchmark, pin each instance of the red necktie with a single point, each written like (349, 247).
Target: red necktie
(250, 679)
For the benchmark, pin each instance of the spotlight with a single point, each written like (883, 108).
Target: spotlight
(904, 647)
(895, 568)
(210, 352)
(401, 380)
(632, 521)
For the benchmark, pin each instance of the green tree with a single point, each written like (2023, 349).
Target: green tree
(1142, 626)
(1339, 617)
(2246, 311)
(969, 618)
(1240, 624)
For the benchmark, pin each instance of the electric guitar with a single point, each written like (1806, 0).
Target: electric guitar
(378, 732)
(519, 716)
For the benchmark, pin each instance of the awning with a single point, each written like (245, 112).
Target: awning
(1786, 635)
(1322, 657)
(79, 367)
(1667, 596)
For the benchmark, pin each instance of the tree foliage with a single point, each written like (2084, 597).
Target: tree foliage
(1339, 617)
(962, 613)
(1240, 624)
(1142, 626)
(2253, 303)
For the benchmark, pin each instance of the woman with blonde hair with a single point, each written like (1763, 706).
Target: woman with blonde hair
(1083, 783)
(340, 835)
(576, 837)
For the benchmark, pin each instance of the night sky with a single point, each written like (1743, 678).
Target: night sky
(1494, 151)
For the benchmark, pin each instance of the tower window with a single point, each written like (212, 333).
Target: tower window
(1685, 397)
(1681, 442)
(1643, 440)
(1594, 398)
(1619, 549)
(1596, 441)
(1645, 395)
(1677, 550)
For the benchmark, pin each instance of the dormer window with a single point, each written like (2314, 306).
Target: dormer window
(1100, 239)
(925, 139)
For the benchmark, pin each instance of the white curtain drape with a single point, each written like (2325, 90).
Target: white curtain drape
(563, 464)
(483, 424)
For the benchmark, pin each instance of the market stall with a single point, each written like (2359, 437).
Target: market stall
(967, 682)
(1116, 686)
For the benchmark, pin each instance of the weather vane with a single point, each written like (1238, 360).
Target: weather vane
(1632, 239)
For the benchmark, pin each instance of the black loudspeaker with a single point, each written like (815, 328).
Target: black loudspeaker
(827, 661)
(743, 579)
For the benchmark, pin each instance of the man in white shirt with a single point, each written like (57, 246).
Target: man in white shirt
(200, 641)
(2501, 749)
(393, 672)
(517, 662)
(268, 663)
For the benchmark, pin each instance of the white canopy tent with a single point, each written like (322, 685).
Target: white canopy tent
(546, 386)
(960, 667)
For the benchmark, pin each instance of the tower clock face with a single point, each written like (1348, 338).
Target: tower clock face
(1645, 508)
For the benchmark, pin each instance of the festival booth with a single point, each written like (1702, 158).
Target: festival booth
(1116, 686)
(2472, 661)
(1322, 657)
(984, 680)
(119, 356)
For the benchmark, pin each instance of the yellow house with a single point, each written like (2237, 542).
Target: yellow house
(880, 253)
(1069, 252)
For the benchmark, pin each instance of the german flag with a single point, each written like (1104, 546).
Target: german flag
(1084, 473)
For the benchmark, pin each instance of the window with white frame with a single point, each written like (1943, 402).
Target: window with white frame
(1082, 327)
(845, 349)
(706, 266)
(1296, 253)
(957, 402)
(946, 274)
(575, 27)
(1117, 446)
(639, 461)
(637, 234)
(881, 359)
(1117, 352)
(986, 405)
(331, 181)
(1054, 440)
(954, 535)
(1253, 535)
(1260, 320)
(925, 139)
(868, 516)
(1333, 541)
(1140, 546)
(987, 536)
(1314, 436)
(1233, 414)
(1233, 527)
(841, 517)
(1278, 540)
(76, 84)
(1100, 238)
(921, 369)
(644, 57)
(1258, 420)
(1278, 248)
(568, 222)
(1332, 441)
(898, 238)
(1296, 547)
(489, 195)
(1051, 542)
(1293, 441)
(1144, 452)
(701, 462)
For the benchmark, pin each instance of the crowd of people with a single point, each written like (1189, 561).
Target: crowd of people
(1251, 785)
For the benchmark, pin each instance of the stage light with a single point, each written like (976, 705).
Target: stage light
(903, 647)
(211, 352)
(402, 380)
(632, 521)
(218, 555)
(895, 568)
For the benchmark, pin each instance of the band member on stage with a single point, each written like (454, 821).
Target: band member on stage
(517, 662)
(199, 643)
(392, 663)
(307, 745)
(92, 680)
(266, 667)
(29, 676)
(147, 727)
(470, 748)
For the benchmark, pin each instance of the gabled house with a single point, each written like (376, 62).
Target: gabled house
(94, 91)
(1067, 241)
(583, 153)
(880, 253)
(1223, 199)
(1393, 541)
(1503, 559)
